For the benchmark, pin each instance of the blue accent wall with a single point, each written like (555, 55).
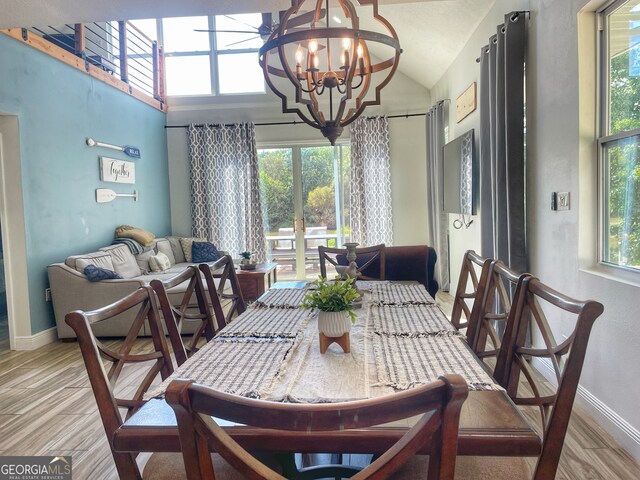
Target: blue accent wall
(58, 107)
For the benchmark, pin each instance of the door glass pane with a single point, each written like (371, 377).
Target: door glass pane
(276, 181)
(622, 202)
(319, 172)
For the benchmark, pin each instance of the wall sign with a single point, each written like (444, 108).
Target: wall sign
(466, 103)
(118, 171)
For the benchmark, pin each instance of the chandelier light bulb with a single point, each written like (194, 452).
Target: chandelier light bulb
(360, 50)
(316, 62)
(313, 46)
(299, 55)
(346, 43)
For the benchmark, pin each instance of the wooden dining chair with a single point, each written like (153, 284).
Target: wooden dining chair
(228, 294)
(142, 303)
(370, 260)
(193, 307)
(476, 269)
(487, 322)
(439, 403)
(517, 361)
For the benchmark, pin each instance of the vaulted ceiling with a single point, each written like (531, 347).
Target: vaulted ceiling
(431, 32)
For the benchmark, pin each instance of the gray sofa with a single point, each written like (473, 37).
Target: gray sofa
(71, 290)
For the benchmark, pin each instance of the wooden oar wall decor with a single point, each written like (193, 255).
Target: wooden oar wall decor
(104, 195)
(133, 152)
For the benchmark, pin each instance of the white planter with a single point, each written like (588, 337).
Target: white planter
(334, 324)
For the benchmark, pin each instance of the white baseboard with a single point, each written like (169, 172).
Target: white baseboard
(38, 340)
(614, 424)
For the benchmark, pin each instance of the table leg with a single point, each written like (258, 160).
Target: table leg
(343, 341)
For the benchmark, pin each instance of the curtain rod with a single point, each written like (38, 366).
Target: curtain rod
(295, 122)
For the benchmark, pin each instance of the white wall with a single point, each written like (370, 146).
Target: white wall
(407, 143)
(561, 157)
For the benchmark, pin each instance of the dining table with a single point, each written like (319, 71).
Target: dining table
(400, 339)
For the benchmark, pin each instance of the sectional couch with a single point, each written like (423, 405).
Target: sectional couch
(71, 290)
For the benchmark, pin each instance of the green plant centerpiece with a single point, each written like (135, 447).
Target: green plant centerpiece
(334, 301)
(246, 263)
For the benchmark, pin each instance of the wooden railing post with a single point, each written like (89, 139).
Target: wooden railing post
(161, 74)
(155, 53)
(124, 67)
(80, 38)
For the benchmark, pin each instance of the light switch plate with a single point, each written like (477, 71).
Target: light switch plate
(563, 201)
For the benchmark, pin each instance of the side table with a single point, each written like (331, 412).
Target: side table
(254, 283)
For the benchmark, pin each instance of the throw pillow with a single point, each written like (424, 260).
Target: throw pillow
(138, 234)
(143, 261)
(176, 248)
(159, 262)
(204, 252)
(95, 274)
(163, 245)
(124, 262)
(186, 243)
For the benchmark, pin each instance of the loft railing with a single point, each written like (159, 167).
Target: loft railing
(118, 48)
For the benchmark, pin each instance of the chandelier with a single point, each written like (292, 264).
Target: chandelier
(322, 69)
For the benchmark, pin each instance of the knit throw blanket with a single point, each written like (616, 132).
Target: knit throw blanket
(134, 246)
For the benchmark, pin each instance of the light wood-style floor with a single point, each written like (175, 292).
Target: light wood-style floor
(47, 408)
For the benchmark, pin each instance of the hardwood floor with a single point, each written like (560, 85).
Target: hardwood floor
(47, 408)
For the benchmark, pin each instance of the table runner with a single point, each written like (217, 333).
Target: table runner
(400, 294)
(411, 321)
(405, 362)
(267, 323)
(281, 298)
(245, 368)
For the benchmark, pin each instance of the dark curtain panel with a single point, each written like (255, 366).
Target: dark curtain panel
(502, 144)
(438, 220)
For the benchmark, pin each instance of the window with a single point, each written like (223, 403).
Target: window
(209, 55)
(619, 154)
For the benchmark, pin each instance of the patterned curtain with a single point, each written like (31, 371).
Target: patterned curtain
(226, 206)
(438, 219)
(370, 200)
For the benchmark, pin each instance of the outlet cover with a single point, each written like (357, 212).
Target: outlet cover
(47, 294)
(563, 201)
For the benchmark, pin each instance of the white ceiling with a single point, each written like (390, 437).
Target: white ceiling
(431, 32)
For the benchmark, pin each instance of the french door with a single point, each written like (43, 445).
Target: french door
(303, 191)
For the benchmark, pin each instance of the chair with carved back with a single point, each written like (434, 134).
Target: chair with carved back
(517, 361)
(439, 403)
(370, 260)
(228, 296)
(474, 268)
(193, 307)
(105, 383)
(491, 308)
